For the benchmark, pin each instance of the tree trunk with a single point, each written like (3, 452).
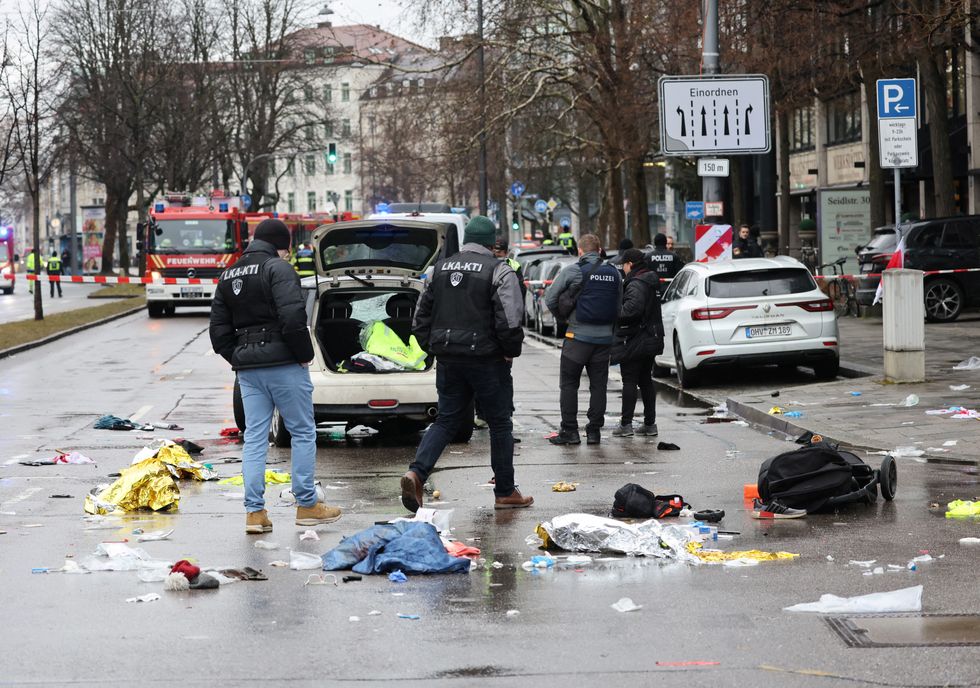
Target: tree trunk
(737, 214)
(38, 254)
(639, 209)
(122, 220)
(934, 87)
(260, 186)
(782, 128)
(876, 179)
(109, 239)
(615, 229)
(582, 199)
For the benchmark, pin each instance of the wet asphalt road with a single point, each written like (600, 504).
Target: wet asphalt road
(77, 629)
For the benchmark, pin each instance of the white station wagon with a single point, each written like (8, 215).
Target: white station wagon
(747, 312)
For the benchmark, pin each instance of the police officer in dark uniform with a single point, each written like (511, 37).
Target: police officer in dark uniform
(258, 324)
(55, 267)
(304, 262)
(663, 262)
(470, 317)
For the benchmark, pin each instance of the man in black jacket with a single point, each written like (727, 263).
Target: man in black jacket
(664, 262)
(470, 317)
(258, 324)
(640, 337)
(745, 246)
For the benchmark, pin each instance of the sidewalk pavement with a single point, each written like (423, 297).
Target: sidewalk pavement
(876, 419)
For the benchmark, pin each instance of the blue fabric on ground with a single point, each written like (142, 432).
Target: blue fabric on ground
(110, 422)
(408, 546)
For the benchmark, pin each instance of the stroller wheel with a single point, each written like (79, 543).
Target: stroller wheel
(889, 478)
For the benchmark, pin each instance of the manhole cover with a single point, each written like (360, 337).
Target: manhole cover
(907, 630)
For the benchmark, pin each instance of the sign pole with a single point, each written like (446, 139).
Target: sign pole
(711, 187)
(898, 198)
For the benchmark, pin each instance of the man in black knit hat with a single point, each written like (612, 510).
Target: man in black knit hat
(258, 324)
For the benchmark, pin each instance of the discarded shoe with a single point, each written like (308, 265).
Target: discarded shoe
(513, 501)
(411, 491)
(623, 431)
(316, 515)
(592, 437)
(775, 510)
(258, 522)
(649, 430)
(565, 438)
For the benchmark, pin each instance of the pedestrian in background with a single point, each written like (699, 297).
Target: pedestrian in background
(471, 318)
(258, 324)
(567, 241)
(670, 243)
(639, 338)
(744, 246)
(664, 262)
(587, 294)
(29, 264)
(54, 266)
(304, 261)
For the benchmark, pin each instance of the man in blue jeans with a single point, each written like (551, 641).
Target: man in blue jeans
(258, 324)
(470, 317)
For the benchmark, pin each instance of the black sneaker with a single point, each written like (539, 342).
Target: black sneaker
(565, 438)
(775, 510)
(592, 437)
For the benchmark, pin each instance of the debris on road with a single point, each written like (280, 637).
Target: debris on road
(589, 533)
(271, 478)
(309, 535)
(265, 544)
(304, 561)
(562, 486)
(635, 501)
(972, 363)
(513, 612)
(110, 422)
(962, 509)
(149, 597)
(71, 458)
(714, 556)
(410, 617)
(959, 388)
(625, 604)
(154, 535)
(909, 401)
(460, 549)
(230, 432)
(397, 577)
(667, 446)
(903, 600)
(408, 546)
(776, 411)
(970, 541)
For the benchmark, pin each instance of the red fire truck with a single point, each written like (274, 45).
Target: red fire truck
(190, 238)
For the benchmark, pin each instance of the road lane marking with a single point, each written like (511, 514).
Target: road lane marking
(183, 374)
(142, 411)
(26, 494)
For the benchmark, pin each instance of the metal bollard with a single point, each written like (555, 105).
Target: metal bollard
(904, 328)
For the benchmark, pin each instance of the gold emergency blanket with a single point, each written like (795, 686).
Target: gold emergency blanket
(714, 556)
(184, 467)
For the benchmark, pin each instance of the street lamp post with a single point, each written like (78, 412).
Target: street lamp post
(483, 108)
(711, 187)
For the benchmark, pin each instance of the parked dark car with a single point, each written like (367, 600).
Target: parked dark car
(948, 243)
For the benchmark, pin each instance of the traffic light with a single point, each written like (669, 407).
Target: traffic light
(515, 220)
(332, 154)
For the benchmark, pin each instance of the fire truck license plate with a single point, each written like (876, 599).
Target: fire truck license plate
(768, 331)
(191, 292)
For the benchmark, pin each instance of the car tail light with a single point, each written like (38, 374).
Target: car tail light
(383, 403)
(717, 312)
(817, 306)
(830, 343)
(706, 352)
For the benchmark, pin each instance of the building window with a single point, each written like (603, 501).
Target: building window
(331, 169)
(290, 202)
(328, 130)
(371, 124)
(311, 201)
(344, 92)
(345, 128)
(291, 167)
(389, 88)
(272, 167)
(801, 129)
(420, 84)
(328, 93)
(308, 94)
(844, 119)
(309, 165)
(348, 201)
(309, 55)
(373, 91)
(348, 166)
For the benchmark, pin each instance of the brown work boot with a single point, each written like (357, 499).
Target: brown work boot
(411, 491)
(316, 515)
(514, 501)
(258, 522)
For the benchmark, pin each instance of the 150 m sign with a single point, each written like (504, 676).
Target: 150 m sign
(714, 114)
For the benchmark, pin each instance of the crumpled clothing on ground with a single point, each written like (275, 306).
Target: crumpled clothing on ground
(408, 546)
(110, 422)
(962, 509)
(716, 556)
(271, 478)
(460, 549)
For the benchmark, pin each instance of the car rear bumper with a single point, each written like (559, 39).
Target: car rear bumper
(806, 352)
(362, 413)
(349, 396)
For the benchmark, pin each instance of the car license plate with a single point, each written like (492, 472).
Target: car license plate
(867, 267)
(768, 331)
(192, 292)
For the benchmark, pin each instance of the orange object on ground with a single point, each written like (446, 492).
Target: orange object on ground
(459, 549)
(750, 491)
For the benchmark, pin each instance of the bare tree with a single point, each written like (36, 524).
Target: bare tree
(28, 83)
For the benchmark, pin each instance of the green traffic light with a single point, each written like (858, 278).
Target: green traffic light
(515, 226)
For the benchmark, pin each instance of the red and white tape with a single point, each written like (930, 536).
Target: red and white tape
(109, 279)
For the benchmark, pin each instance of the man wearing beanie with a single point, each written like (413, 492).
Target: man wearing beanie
(470, 317)
(258, 324)
(664, 262)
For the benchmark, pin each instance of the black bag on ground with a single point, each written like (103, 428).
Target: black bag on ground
(811, 477)
(635, 501)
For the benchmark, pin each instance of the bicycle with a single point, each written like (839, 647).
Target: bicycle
(840, 290)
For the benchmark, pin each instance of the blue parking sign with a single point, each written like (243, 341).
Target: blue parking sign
(896, 98)
(694, 210)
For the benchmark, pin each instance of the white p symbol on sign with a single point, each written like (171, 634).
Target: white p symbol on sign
(891, 94)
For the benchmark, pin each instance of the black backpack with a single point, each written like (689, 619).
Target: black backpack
(817, 478)
(635, 501)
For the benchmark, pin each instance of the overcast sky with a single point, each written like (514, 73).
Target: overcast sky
(388, 13)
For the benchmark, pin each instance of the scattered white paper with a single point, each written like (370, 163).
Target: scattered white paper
(353, 618)
(279, 563)
(959, 388)
(910, 400)
(154, 535)
(904, 600)
(513, 612)
(625, 604)
(304, 561)
(949, 443)
(972, 363)
(265, 544)
(309, 535)
(149, 597)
